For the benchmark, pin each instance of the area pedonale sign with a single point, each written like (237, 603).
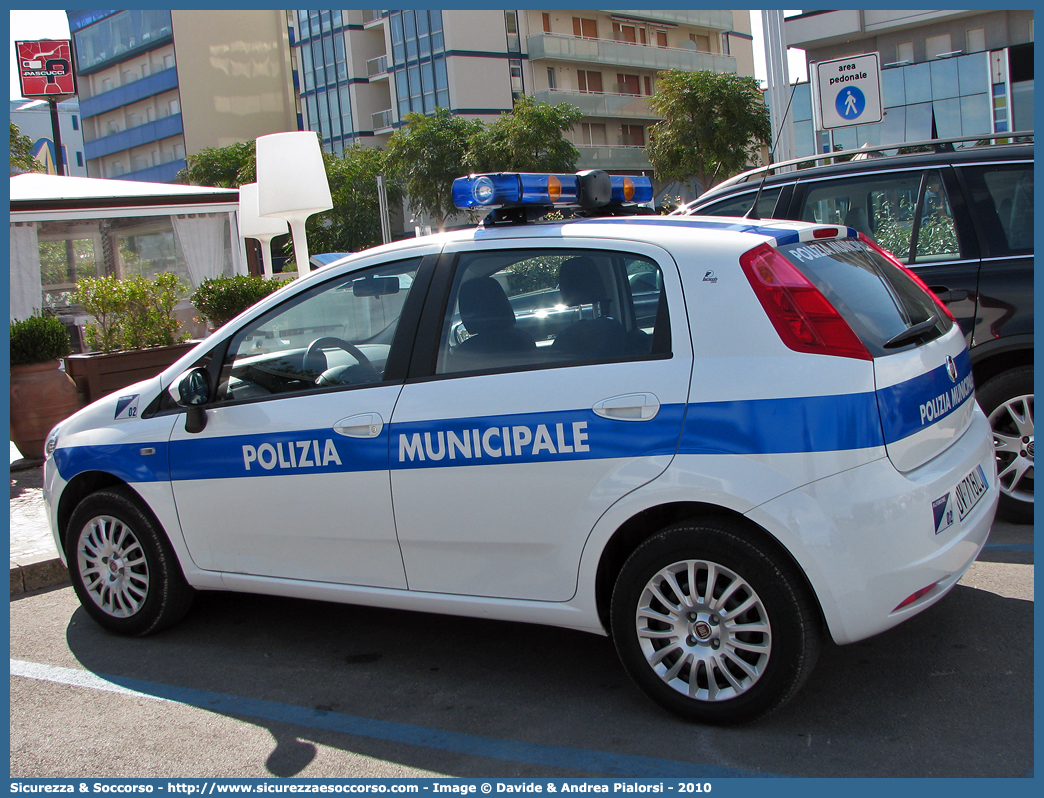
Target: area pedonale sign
(847, 91)
(45, 68)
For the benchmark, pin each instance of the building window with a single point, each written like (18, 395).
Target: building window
(551, 78)
(936, 46)
(904, 53)
(79, 158)
(515, 67)
(632, 135)
(593, 134)
(585, 28)
(976, 40)
(701, 41)
(627, 84)
(661, 38)
(648, 85)
(628, 33)
(75, 122)
(547, 22)
(589, 81)
(514, 45)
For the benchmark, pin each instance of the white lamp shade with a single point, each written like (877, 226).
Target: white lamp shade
(250, 224)
(291, 176)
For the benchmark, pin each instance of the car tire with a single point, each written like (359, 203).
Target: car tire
(1007, 400)
(122, 566)
(688, 650)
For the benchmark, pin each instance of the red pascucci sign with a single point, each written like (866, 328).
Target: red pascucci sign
(45, 67)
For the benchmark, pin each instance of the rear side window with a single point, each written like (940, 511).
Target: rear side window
(907, 213)
(1003, 198)
(877, 299)
(513, 309)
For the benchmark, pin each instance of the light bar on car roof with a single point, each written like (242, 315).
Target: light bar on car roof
(589, 189)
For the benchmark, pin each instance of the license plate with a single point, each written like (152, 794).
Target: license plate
(969, 490)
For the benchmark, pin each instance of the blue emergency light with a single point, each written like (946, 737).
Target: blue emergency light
(586, 190)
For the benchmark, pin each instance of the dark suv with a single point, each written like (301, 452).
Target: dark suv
(962, 220)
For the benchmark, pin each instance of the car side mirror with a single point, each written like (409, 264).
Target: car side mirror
(192, 390)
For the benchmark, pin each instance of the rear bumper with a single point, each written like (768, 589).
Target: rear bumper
(868, 539)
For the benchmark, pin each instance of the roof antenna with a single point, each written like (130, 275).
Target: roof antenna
(752, 213)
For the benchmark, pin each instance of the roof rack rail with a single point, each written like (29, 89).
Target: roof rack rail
(869, 150)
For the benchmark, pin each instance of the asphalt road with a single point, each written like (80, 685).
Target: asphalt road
(251, 686)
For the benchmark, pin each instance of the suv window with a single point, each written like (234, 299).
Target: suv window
(1003, 197)
(907, 213)
(337, 334)
(738, 206)
(520, 308)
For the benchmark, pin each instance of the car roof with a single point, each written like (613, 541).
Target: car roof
(663, 231)
(752, 178)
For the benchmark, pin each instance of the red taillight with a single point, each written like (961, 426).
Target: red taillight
(884, 253)
(911, 599)
(802, 316)
(824, 232)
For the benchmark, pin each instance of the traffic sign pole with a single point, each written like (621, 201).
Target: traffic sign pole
(56, 132)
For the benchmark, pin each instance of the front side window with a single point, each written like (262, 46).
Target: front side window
(541, 308)
(338, 334)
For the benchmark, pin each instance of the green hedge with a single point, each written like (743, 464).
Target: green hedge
(37, 340)
(221, 299)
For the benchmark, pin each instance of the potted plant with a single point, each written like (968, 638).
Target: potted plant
(221, 299)
(41, 394)
(135, 334)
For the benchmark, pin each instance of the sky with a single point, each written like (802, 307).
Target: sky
(55, 25)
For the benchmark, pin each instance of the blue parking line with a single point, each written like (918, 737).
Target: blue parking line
(575, 759)
(1009, 547)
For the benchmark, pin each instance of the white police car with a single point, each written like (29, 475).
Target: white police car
(782, 442)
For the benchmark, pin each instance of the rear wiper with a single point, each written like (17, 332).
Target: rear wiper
(911, 333)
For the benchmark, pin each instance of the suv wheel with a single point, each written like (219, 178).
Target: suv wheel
(1007, 400)
(712, 627)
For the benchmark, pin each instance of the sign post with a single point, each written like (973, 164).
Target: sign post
(45, 73)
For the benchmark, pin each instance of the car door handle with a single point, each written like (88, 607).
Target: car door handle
(632, 407)
(364, 425)
(946, 295)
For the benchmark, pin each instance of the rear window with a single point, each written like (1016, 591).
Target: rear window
(878, 299)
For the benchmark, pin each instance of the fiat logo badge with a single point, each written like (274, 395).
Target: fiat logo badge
(702, 630)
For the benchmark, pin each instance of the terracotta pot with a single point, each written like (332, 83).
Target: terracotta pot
(41, 396)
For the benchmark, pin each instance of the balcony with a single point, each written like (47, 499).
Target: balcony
(641, 56)
(160, 173)
(382, 121)
(702, 18)
(614, 106)
(618, 158)
(377, 67)
(133, 137)
(154, 84)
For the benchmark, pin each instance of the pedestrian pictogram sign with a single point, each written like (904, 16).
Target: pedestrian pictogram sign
(45, 68)
(848, 91)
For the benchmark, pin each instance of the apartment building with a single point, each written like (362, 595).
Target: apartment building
(156, 85)
(944, 73)
(361, 72)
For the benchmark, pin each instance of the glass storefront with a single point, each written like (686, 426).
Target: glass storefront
(953, 93)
